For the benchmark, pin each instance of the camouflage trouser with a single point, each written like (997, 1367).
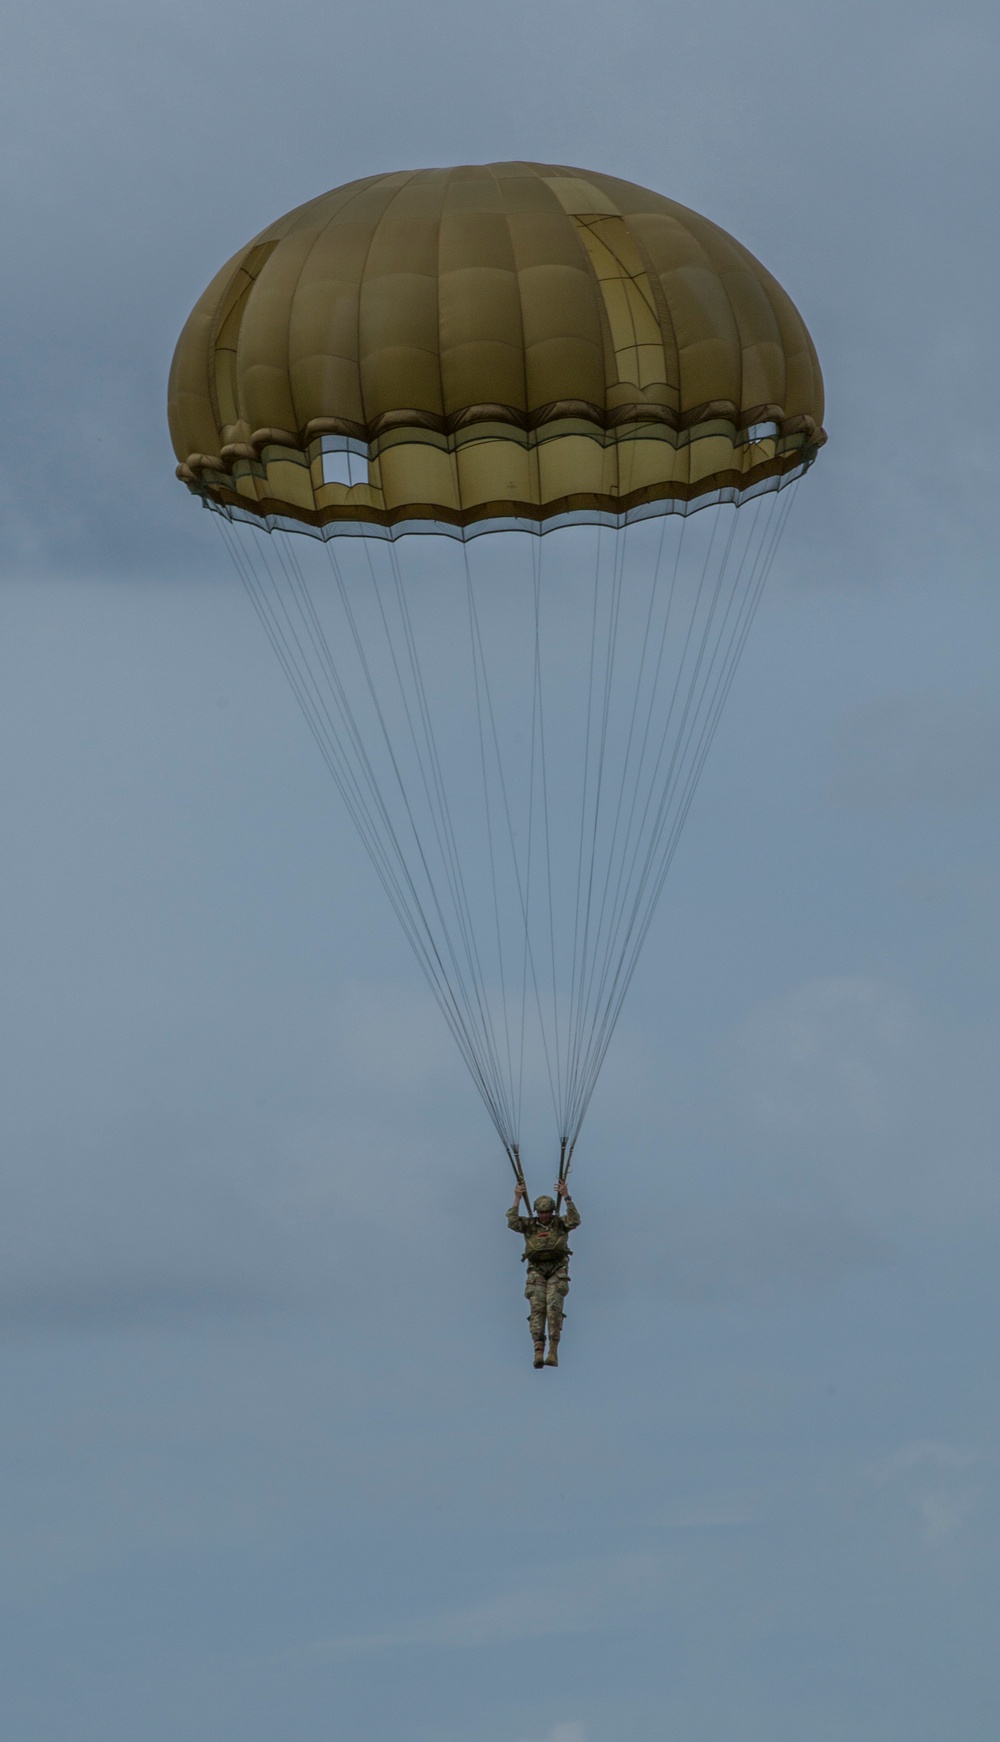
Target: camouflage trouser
(545, 1296)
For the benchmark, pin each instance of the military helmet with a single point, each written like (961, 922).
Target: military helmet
(543, 1204)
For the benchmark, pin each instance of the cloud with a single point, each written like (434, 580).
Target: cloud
(714, 1512)
(856, 1086)
(926, 750)
(925, 1453)
(132, 1203)
(392, 1035)
(826, 1049)
(934, 1480)
(944, 1514)
(566, 1732)
(582, 1597)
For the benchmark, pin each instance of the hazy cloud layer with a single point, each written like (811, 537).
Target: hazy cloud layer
(274, 1458)
(576, 1598)
(927, 751)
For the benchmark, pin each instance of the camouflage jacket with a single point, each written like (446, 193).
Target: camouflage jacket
(545, 1249)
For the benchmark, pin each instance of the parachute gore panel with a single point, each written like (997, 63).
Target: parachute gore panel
(512, 344)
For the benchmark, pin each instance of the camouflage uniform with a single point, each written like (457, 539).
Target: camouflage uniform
(547, 1256)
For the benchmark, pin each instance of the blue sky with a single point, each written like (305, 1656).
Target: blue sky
(274, 1461)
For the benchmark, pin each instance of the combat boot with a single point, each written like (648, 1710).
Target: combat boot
(540, 1353)
(552, 1358)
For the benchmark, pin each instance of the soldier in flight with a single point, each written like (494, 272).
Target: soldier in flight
(547, 1255)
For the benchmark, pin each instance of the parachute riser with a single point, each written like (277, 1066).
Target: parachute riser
(514, 1157)
(565, 1160)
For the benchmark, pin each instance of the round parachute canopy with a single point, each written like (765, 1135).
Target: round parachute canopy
(516, 729)
(508, 345)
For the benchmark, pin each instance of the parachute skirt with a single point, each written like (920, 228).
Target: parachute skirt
(345, 518)
(492, 475)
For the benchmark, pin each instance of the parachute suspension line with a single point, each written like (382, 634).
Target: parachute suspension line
(486, 802)
(385, 852)
(446, 841)
(535, 584)
(761, 561)
(367, 812)
(640, 685)
(614, 611)
(313, 711)
(760, 570)
(706, 569)
(583, 824)
(298, 676)
(623, 784)
(440, 817)
(601, 869)
(588, 1004)
(483, 691)
(617, 945)
(626, 977)
(486, 1069)
(538, 547)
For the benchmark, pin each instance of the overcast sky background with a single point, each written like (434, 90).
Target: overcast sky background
(275, 1463)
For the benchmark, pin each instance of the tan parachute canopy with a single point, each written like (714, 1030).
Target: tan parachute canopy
(517, 730)
(512, 344)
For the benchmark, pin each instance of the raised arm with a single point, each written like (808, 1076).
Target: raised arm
(571, 1215)
(515, 1221)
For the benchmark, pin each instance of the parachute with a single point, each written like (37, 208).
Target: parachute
(516, 723)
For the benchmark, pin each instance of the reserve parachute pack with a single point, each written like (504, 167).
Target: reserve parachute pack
(547, 1249)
